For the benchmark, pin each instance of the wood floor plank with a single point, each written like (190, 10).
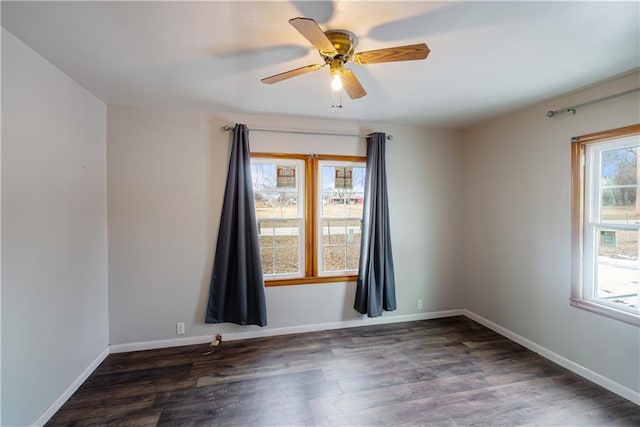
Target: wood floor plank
(441, 372)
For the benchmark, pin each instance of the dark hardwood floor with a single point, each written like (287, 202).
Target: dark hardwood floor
(443, 372)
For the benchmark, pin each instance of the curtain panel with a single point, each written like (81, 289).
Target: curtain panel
(375, 289)
(237, 291)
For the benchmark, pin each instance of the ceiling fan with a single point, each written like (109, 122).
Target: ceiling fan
(336, 48)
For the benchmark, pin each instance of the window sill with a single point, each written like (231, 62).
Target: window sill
(605, 310)
(310, 280)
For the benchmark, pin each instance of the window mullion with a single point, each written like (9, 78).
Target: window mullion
(311, 263)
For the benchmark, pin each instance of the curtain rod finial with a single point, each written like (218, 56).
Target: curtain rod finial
(226, 128)
(389, 137)
(551, 113)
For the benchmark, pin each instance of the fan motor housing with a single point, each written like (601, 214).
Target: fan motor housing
(344, 43)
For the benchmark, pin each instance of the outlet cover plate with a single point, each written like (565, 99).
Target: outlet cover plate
(180, 330)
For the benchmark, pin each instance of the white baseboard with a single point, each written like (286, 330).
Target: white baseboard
(605, 382)
(55, 406)
(153, 345)
(269, 332)
(365, 321)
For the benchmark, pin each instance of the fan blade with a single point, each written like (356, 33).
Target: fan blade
(351, 84)
(291, 73)
(312, 32)
(392, 54)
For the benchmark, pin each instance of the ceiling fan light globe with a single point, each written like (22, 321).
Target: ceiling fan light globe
(336, 83)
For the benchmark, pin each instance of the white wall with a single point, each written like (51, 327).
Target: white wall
(517, 230)
(54, 246)
(166, 177)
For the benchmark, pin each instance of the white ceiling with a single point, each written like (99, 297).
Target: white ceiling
(486, 57)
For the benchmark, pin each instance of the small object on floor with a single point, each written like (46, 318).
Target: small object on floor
(216, 342)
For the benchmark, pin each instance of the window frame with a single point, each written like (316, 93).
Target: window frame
(311, 239)
(580, 296)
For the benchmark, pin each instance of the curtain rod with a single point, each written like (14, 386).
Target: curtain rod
(553, 113)
(227, 128)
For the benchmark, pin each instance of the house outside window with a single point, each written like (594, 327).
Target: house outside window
(605, 223)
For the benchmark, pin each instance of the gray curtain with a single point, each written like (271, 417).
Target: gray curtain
(376, 289)
(237, 287)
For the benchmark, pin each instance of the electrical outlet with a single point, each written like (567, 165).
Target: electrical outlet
(180, 328)
(419, 304)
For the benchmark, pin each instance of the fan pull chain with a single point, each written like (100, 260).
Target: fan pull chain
(333, 100)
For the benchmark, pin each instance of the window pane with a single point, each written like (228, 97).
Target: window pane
(276, 196)
(287, 233)
(285, 204)
(280, 243)
(341, 231)
(334, 258)
(266, 233)
(341, 258)
(618, 181)
(342, 191)
(276, 204)
(619, 166)
(333, 232)
(263, 206)
(617, 267)
(264, 185)
(353, 256)
(355, 206)
(286, 260)
(620, 205)
(266, 255)
(286, 241)
(333, 205)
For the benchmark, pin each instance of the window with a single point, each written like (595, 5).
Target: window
(309, 212)
(605, 223)
(278, 189)
(340, 216)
